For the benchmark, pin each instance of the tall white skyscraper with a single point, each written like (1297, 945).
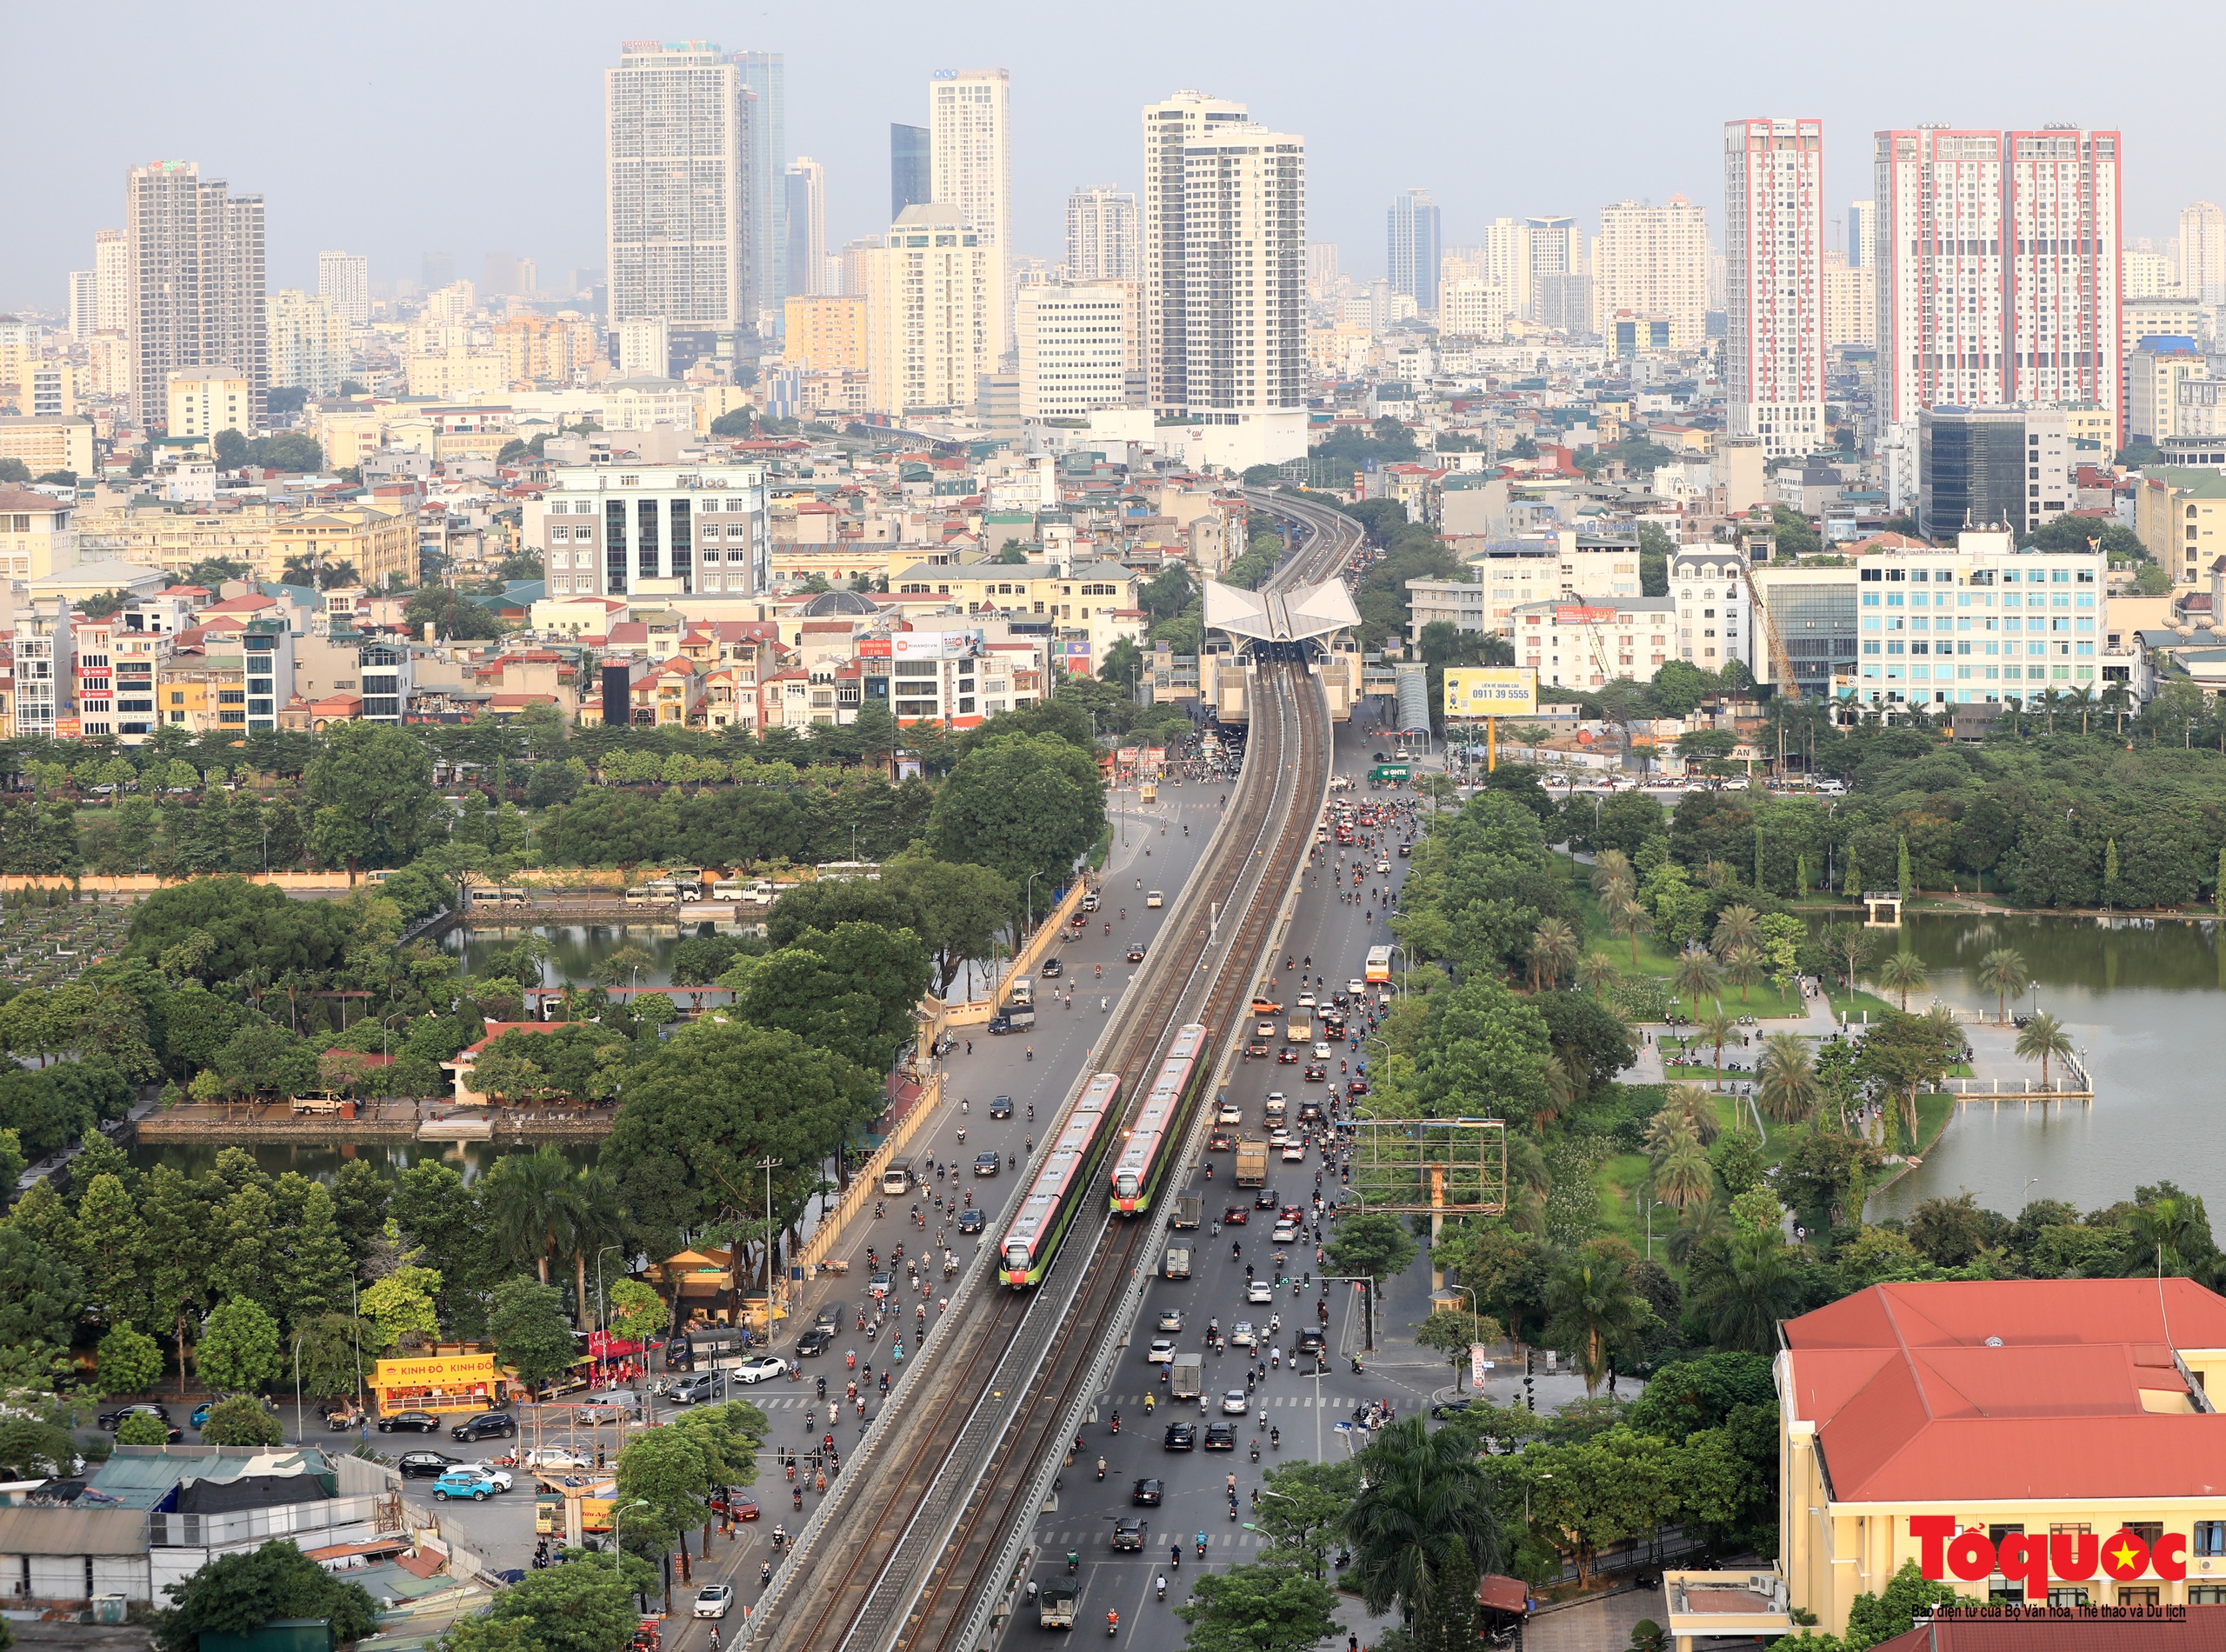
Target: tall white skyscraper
(85, 303)
(1862, 234)
(929, 340)
(195, 258)
(1169, 129)
(1560, 291)
(677, 186)
(1999, 271)
(1321, 270)
(1073, 347)
(1101, 242)
(806, 182)
(1245, 280)
(309, 342)
(970, 155)
(1774, 283)
(1652, 261)
(111, 282)
(344, 281)
(765, 152)
(2203, 253)
(1410, 247)
(1505, 254)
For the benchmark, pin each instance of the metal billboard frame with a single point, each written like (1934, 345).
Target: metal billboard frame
(1428, 1166)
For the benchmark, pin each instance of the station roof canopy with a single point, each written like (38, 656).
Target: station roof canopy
(1304, 612)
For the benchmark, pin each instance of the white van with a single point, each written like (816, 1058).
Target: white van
(1154, 899)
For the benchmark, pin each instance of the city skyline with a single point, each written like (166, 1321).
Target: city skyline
(846, 85)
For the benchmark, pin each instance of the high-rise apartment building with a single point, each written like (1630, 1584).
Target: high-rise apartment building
(1170, 127)
(1862, 234)
(435, 270)
(969, 153)
(1102, 235)
(677, 187)
(112, 287)
(308, 342)
(825, 333)
(1504, 259)
(2203, 253)
(1410, 247)
(1321, 270)
(644, 347)
(1073, 348)
(764, 77)
(1470, 307)
(85, 303)
(1774, 283)
(1998, 275)
(929, 312)
(194, 253)
(2147, 273)
(344, 281)
(1244, 282)
(806, 182)
(1560, 289)
(1652, 262)
(911, 179)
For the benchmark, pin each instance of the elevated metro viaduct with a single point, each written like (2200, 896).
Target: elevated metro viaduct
(1317, 626)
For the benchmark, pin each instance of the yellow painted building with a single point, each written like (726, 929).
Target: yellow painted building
(381, 540)
(204, 400)
(825, 332)
(2179, 515)
(47, 444)
(1992, 1425)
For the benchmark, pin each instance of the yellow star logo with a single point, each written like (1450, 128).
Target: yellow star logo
(2125, 1556)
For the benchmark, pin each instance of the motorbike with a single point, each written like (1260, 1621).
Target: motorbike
(1100, 1467)
(1256, 1451)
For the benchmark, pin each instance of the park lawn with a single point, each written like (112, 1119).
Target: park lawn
(1620, 1178)
(1934, 1110)
(1762, 1001)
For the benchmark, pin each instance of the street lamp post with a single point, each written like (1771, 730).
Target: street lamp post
(299, 1436)
(618, 1552)
(602, 1303)
(769, 1164)
(1032, 876)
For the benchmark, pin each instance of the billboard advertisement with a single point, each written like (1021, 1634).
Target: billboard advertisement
(933, 645)
(1490, 691)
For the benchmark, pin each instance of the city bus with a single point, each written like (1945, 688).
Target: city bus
(1379, 965)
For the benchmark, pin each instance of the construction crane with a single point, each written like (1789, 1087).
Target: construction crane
(1781, 661)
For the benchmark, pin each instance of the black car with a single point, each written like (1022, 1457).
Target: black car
(986, 1163)
(1266, 1199)
(971, 1221)
(1310, 1112)
(815, 1342)
(425, 1465)
(1129, 1535)
(488, 1425)
(112, 1420)
(1221, 1436)
(1001, 1106)
(1180, 1437)
(1149, 1491)
(1053, 968)
(1310, 1340)
(1379, 757)
(411, 1423)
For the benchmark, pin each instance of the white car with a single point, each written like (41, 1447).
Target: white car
(1259, 1291)
(1242, 1335)
(1383, 866)
(498, 1477)
(1285, 1233)
(1306, 1001)
(1161, 1350)
(1294, 1153)
(758, 1368)
(554, 1458)
(713, 1600)
(1358, 988)
(1320, 1052)
(1232, 1114)
(1278, 1136)
(1236, 1402)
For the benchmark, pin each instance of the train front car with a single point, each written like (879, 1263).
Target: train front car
(1059, 1186)
(1155, 1140)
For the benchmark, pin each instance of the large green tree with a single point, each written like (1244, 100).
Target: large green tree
(370, 792)
(1018, 804)
(236, 1593)
(1271, 1605)
(852, 991)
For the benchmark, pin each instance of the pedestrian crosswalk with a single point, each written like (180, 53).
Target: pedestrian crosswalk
(1177, 1410)
(1087, 1536)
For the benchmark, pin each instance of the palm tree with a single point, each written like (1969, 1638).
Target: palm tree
(2004, 973)
(1719, 1027)
(1788, 1092)
(1745, 1290)
(1529, 1182)
(598, 1220)
(1692, 1106)
(1737, 926)
(2083, 697)
(1425, 1517)
(1683, 1176)
(1595, 972)
(2042, 1039)
(1560, 1093)
(1611, 869)
(1593, 1312)
(1697, 974)
(1742, 965)
(534, 1204)
(1553, 951)
(1628, 918)
(2165, 1232)
(1902, 972)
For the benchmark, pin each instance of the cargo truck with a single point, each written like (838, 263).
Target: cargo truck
(1252, 1164)
(1186, 1376)
(1055, 1607)
(1188, 1208)
(1301, 1030)
(896, 1176)
(1177, 1265)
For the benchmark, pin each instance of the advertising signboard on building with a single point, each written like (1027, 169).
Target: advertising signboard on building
(1490, 691)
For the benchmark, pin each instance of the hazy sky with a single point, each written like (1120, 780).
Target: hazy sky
(469, 127)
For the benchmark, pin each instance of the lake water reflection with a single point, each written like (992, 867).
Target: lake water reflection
(2143, 1001)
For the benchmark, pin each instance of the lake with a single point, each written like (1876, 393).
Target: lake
(2138, 997)
(472, 1159)
(578, 949)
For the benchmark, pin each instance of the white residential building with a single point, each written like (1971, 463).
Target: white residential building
(1074, 349)
(85, 303)
(1997, 269)
(195, 253)
(2203, 253)
(676, 191)
(1102, 235)
(344, 281)
(1774, 283)
(308, 342)
(969, 156)
(930, 313)
(1653, 261)
(1170, 128)
(112, 287)
(805, 227)
(1589, 644)
(644, 347)
(1244, 277)
(645, 530)
(1469, 307)
(1715, 619)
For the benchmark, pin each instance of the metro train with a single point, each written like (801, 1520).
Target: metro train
(1060, 1184)
(1156, 1142)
